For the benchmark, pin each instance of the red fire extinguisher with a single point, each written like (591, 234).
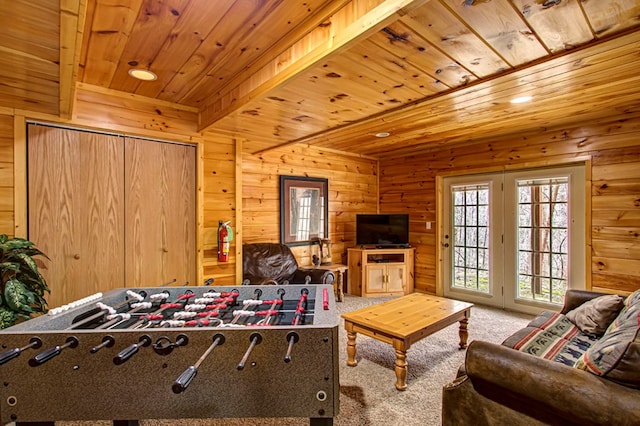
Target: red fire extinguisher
(225, 235)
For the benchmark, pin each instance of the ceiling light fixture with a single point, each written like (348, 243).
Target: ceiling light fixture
(382, 134)
(521, 99)
(141, 74)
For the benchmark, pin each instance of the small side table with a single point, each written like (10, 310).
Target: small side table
(338, 286)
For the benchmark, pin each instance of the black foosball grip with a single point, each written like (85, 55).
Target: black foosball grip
(182, 382)
(125, 354)
(9, 355)
(45, 356)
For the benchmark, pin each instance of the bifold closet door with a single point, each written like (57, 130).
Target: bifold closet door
(76, 210)
(160, 223)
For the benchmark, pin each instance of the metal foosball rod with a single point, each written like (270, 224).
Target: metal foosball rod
(107, 342)
(276, 302)
(181, 300)
(7, 356)
(183, 381)
(301, 307)
(292, 337)
(201, 312)
(254, 339)
(116, 318)
(245, 312)
(101, 310)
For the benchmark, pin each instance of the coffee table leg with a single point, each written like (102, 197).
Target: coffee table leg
(401, 369)
(464, 334)
(351, 349)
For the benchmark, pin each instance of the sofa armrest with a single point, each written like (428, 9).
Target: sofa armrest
(318, 276)
(575, 298)
(539, 387)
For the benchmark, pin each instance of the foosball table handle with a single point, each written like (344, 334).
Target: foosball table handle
(51, 353)
(9, 355)
(182, 382)
(125, 354)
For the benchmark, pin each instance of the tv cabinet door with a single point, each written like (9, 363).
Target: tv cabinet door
(376, 279)
(396, 279)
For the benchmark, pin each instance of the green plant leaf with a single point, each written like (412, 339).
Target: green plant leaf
(21, 284)
(28, 261)
(7, 318)
(14, 243)
(19, 297)
(5, 266)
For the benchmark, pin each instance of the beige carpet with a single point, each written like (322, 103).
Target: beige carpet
(367, 392)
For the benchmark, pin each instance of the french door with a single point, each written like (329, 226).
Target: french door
(514, 239)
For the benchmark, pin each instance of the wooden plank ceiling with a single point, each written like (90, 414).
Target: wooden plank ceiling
(333, 73)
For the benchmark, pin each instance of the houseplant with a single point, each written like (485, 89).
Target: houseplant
(22, 287)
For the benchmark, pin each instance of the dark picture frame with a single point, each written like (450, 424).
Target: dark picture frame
(304, 210)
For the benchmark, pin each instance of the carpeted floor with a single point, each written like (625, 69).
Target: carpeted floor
(367, 392)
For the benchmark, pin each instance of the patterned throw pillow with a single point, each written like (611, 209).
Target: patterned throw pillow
(593, 317)
(551, 336)
(616, 355)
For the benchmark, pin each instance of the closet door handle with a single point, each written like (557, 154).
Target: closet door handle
(76, 256)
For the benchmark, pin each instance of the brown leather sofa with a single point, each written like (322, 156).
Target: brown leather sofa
(272, 263)
(498, 385)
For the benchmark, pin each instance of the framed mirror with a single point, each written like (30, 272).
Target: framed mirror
(304, 210)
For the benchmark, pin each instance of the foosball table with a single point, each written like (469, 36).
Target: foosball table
(176, 353)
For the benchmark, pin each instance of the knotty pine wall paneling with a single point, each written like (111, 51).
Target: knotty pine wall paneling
(219, 191)
(6, 175)
(353, 188)
(613, 145)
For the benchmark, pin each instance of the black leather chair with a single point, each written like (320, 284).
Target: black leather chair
(272, 263)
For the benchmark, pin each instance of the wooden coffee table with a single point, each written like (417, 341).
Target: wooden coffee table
(403, 321)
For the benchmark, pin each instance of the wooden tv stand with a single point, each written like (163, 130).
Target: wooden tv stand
(375, 272)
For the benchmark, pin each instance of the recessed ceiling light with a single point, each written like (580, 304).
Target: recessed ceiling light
(140, 74)
(382, 134)
(521, 99)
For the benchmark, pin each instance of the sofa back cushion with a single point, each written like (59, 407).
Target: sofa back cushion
(268, 260)
(616, 355)
(593, 317)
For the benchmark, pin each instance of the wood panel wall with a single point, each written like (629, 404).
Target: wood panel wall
(613, 145)
(219, 203)
(6, 175)
(407, 184)
(353, 188)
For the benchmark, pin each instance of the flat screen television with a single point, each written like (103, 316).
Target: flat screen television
(382, 230)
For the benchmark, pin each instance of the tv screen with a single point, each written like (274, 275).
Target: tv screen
(382, 230)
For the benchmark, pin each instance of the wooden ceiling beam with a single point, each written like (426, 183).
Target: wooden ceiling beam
(347, 28)
(72, 17)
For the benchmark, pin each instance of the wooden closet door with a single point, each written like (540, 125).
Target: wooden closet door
(160, 182)
(76, 210)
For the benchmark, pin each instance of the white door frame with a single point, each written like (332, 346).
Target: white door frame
(579, 275)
